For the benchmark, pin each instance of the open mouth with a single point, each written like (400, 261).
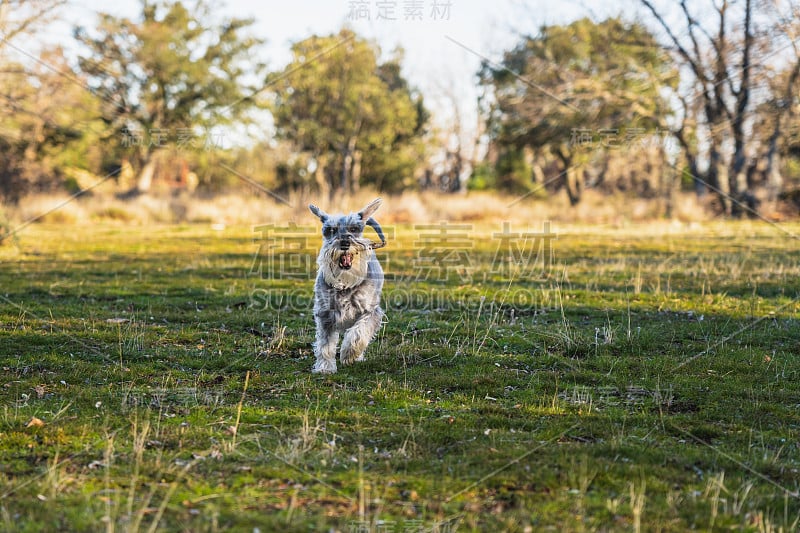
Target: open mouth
(346, 261)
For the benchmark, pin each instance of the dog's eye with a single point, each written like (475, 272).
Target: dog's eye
(327, 231)
(355, 228)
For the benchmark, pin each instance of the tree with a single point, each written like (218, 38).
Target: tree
(357, 117)
(32, 121)
(783, 104)
(168, 76)
(718, 52)
(51, 126)
(571, 89)
(454, 162)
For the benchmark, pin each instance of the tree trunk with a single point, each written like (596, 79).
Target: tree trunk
(344, 181)
(454, 185)
(126, 179)
(722, 185)
(537, 172)
(572, 178)
(574, 183)
(145, 180)
(714, 175)
(737, 174)
(774, 177)
(700, 188)
(356, 171)
(320, 176)
(666, 181)
(737, 179)
(668, 175)
(346, 184)
(690, 154)
(772, 172)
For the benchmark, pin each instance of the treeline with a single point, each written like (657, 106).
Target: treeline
(175, 99)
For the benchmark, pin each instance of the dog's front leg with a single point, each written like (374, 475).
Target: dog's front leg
(325, 349)
(357, 338)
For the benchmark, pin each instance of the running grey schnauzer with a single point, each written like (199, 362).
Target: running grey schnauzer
(347, 294)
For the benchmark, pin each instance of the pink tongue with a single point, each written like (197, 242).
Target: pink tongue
(346, 261)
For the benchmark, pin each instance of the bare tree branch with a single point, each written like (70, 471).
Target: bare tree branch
(18, 17)
(694, 62)
(691, 23)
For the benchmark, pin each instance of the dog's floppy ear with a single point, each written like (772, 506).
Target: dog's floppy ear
(370, 208)
(377, 227)
(365, 215)
(323, 216)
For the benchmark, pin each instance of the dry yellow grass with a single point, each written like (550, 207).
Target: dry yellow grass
(405, 208)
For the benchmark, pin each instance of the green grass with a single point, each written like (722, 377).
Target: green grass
(646, 380)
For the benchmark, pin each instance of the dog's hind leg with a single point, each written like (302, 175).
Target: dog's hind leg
(325, 350)
(358, 337)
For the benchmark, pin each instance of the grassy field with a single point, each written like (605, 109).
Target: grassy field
(639, 378)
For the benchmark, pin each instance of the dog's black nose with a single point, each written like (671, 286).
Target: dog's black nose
(344, 244)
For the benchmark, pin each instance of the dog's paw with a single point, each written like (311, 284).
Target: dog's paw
(350, 358)
(324, 367)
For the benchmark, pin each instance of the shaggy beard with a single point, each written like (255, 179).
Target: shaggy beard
(333, 262)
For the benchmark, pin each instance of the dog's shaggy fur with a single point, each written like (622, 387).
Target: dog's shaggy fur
(347, 292)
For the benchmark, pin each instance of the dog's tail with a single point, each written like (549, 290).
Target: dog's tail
(377, 227)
